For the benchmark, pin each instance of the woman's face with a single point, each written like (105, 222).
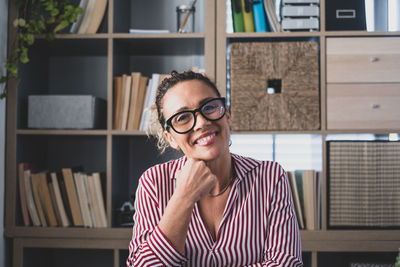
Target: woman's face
(208, 139)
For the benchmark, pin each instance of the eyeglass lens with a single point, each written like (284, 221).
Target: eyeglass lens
(185, 121)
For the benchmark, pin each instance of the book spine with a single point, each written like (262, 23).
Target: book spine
(260, 21)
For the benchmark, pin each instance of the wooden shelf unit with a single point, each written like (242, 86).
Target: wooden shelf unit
(112, 52)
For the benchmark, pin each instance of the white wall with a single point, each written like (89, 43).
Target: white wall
(3, 53)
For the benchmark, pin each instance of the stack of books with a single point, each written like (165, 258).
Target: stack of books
(134, 96)
(300, 15)
(61, 199)
(306, 193)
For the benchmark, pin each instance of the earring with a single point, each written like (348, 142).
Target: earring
(230, 142)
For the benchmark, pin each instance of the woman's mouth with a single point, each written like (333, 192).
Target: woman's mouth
(206, 139)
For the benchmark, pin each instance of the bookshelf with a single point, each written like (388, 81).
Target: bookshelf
(86, 64)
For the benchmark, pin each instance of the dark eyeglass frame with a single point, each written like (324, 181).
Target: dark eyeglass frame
(168, 123)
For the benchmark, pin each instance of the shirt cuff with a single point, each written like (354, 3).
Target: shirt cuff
(164, 250)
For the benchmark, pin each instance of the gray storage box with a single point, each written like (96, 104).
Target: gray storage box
(66, 112)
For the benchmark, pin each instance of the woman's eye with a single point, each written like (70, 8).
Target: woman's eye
(210, 108)
(182, 118)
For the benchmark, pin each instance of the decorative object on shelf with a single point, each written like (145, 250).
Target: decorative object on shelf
(66, 112)
(36, 17)
(345, 15)
(364, 188)
(255, 68)
(183, 12)
(124, 214)
(302, 16)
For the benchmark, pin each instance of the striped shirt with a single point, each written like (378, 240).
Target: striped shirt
(258, 228)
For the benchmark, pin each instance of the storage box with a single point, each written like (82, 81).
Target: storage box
(66, 112)
(364, 184)
(274, 86)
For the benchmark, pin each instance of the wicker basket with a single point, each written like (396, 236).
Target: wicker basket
(257, 66)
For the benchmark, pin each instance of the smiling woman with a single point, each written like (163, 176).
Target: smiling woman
(210, 207)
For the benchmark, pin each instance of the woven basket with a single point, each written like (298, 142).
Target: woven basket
(254, 65)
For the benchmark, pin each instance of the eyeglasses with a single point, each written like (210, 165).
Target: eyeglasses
(184, 121)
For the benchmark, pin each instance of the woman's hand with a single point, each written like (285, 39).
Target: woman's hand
(195, 179)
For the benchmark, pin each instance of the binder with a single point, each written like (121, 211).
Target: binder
(237, 15)
(247, 16)
(260, 21)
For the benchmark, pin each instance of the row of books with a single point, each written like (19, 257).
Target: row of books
(252, 16)
(265, 15)
(134, 95)
(306, 192)
(61, 199)
(89, 20)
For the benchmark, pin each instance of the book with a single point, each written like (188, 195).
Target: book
(150, 100)
(237, 15)
(75, 26)
(143, 117)
(53, 199)
(133, 99)
(34, 215)
(126, 95)
(140, 102)
(299, 177)
(97, 15)
(309, 198)
(22, 192)
(272, 17)
(117, 102)
(247, 13)
(83, 199)
(72, 196)
(84, 177)
(95, 209)
(64, 221)
(296, 199)
(64, 196)
(47, 203)
(229, 18)
(147, 31)
(99, 198)
(86, 16)
(35, 180)
(260, 20)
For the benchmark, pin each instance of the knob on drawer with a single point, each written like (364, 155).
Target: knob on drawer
(373, 59)
(375, 106)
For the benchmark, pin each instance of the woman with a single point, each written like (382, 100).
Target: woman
(210, 207)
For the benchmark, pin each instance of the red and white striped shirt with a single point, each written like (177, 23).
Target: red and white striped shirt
(258, 228)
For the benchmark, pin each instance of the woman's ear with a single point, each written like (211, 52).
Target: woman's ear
(228, 118)
(171, 140)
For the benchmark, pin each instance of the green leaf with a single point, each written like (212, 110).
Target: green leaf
(12, 68)
(3, 95)
(3, 79)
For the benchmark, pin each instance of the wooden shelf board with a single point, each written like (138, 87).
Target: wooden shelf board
(60, 132)
(78, 36)
(68, 232)
(128, 132)
(158, 36)
(272, 34)
(360, 33)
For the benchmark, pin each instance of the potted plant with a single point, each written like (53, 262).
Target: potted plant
(36, 18)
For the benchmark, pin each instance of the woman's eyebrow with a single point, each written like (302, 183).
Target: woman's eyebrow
(201, 102)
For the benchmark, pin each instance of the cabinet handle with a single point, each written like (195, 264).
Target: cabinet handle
(375, 106)
(373, 59)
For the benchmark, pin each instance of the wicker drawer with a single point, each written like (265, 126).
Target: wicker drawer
(363, 106)
(367, 59)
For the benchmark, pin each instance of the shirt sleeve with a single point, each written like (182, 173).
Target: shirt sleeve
(283, 244)
(149, 246)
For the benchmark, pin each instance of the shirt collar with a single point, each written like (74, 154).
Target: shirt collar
(242, 165)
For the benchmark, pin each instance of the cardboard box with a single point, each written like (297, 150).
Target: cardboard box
(66, 112)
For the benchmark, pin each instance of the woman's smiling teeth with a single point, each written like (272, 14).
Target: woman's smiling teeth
(206, 139)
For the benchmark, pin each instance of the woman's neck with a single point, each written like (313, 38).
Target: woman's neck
(222, 168)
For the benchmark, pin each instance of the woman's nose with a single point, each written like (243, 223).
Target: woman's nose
(200, 121)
